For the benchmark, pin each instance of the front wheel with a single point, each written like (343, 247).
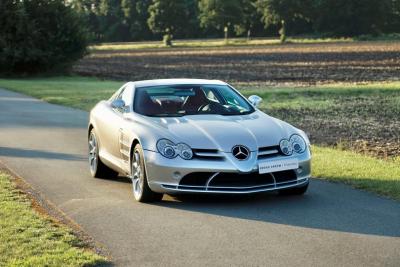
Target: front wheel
(141, 189)
(301, 190)
(97, 168)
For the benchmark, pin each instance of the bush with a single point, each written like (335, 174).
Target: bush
(39, 35)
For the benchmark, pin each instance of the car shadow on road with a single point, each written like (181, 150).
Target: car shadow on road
(33, 153)
(326, 205)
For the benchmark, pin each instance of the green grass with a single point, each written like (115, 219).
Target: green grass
(324, 96)
(76, 92)
(314, 109)
(28, 238)
(84, 92)
(363, 172)
(213, 43)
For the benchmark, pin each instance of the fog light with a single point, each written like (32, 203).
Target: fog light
(176, 175)
(299, 170)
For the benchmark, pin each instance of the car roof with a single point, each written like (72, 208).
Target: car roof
(146, 83)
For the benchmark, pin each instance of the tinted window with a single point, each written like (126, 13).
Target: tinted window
(180, 100)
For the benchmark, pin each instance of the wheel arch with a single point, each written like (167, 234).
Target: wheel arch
(90, 128)
(136, 141)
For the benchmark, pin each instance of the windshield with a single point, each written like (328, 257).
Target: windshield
(180, 100)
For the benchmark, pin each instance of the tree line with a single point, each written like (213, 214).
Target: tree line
(135, 20)
(43, 35)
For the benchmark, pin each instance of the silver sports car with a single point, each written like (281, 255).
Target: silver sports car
(196, 136)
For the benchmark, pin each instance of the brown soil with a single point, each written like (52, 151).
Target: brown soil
(297, 63)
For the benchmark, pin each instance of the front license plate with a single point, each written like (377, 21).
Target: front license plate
(278, 165)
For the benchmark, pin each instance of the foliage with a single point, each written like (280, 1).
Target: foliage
(353, 17)
(220, 14)
(130, 20)
(39, 35)
(296, 14)
(114, 20)
(168, 18)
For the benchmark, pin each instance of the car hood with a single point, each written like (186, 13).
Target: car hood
(224, 132)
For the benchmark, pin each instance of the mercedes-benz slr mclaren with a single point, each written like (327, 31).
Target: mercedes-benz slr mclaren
(195, 136)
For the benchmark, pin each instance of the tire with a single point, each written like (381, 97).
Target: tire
(301, 190)
(97, 168)
(140, 186)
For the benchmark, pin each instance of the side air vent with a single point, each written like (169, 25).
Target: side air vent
(268, 151)
(209, 154)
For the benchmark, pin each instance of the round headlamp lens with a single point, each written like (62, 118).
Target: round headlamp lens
(286, 147)
(169, 152)
(298, 143)
(166, 148)
(184, 151)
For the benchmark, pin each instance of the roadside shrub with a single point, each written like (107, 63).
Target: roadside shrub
(39, 35)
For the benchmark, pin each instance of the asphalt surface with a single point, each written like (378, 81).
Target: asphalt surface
(332, 225)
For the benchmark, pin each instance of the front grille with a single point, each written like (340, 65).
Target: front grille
(241, 180)
(207, 154)
(285, 176)
(235, 181)
(196, 178)
(268, 152)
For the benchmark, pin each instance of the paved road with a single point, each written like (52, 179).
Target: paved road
(332, 225)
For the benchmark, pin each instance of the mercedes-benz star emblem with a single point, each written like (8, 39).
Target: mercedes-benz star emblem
(240, 152)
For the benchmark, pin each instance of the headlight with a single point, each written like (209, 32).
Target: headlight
(286, 147)
(166, 148)
(170, 150)
(298, 143)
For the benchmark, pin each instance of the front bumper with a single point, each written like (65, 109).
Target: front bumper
(226, 175)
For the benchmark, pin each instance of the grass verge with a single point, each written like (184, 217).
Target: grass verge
(77, 92)
(322, 106)
(32, 239)
(213, 43)
(359, 171)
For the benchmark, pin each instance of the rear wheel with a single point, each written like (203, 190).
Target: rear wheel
(141, 189)
(294, 190)
(97, 168)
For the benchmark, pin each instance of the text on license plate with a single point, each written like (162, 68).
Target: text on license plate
(278, 165)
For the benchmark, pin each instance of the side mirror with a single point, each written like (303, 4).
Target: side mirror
(118, 104)
(255, 100)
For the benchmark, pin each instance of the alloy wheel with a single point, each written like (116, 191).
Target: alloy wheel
(137, 175)
(92, 153)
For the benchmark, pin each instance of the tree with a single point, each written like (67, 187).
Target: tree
(168, 18)
(292, 16)
(392, 23)
(250, 18)
(39, 35)
(135, 16)
(220, 14)
(352, 17)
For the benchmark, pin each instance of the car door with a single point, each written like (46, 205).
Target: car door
(111, 122)
(124, 137)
